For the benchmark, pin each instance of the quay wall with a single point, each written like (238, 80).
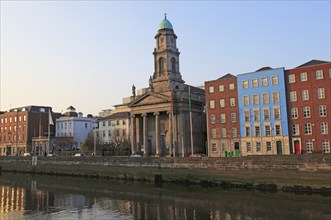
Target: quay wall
(276, 172)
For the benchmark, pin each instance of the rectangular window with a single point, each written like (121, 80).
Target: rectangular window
(247, 131)
(329, 73)
(264, 81)
(246, 100)
(276, 113)
(303, 77)
(256, 99)
(324, 128)
(306, 112)
(309, 146)
(295, 129)
(291, 78)
(319, 74)
(257, 131)
(275, 97)
(248, 147)
(278, 130)
(321, 93)
(326, 146)
(258, 146)
(232, 101)
(308, 128)
(223, 146)
(244, 84)
(212, 104)
(233, 132)
(221, 88)
(305, 95)
(109, 133)
(231, 86)
(223, 120)
(256, 113)
(274, 80)
(268, 145)
(247, 115)
(233, 117)
(123, 122)
(211, 89)
(222, 103)
(213, 147)
(265, 98)
(118, 122)
(213, 133)
(223, 133)
(322, 110)
(103, 123)
(267, 130)
(255, 83)
(294, 113)
(293, 96)
(103, 133)
(212, 119)
(266, 114)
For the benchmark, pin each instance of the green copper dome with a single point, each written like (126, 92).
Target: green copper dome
(165, 24)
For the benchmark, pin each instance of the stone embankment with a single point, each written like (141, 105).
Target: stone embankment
(302, 174)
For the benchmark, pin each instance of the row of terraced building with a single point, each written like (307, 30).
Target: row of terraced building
(270, 111)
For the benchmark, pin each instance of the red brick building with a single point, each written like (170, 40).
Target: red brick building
(19, 125)
(222, 117)
(309, 107)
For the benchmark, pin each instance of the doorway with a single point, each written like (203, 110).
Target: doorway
(297, 147)
(279, 147)
(236, 149)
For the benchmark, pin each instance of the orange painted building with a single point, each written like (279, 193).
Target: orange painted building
(223, 133)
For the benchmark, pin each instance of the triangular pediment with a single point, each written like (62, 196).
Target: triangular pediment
(150, 98)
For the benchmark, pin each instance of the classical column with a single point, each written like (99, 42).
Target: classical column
(133, 135)
(171, 133)
(138, 135)
(157, 133)
(145, 133)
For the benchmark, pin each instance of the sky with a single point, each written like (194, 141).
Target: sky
(88, 54)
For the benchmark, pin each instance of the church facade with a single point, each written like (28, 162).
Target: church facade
(168, 119)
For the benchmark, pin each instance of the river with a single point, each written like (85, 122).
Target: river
(44, 197)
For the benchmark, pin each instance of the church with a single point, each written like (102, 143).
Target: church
(168, 118)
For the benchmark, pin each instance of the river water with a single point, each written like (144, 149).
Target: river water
(41, 197)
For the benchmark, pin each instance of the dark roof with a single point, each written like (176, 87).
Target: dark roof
(312, 63)
(118, 115)
(71, 108)
(32, 108)
(264, 68)
(229, 75)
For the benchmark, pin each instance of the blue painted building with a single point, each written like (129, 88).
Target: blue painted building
(263, 112)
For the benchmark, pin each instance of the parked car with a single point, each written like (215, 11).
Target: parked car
(197, 155)
(51, 155)
(135, 155)
(80, 155)
(27, 154)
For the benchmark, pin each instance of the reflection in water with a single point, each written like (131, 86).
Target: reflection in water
(26, 197)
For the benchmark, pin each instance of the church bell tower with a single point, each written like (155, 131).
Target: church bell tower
(166, 75)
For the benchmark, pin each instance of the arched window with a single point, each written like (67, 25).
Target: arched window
(161, 66)
(173, 65)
